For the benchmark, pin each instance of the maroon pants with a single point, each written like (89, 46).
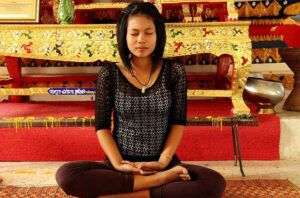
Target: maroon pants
(89, 179)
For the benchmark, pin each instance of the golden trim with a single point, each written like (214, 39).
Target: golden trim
(189, 1)
(267, 38)
(232, 11)
(23, 91)
(196, 93)
(268, 21)
(55, 26)
(89, 121)
(113, 26)
(91, 6)
(44, 90)
(207, 24)
(49, 121)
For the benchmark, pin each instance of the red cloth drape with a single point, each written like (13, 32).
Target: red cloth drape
(289, 32)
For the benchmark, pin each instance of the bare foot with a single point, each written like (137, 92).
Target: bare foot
(176, 173)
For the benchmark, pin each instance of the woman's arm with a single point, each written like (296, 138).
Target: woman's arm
(111, 150)
(103, 113)
(177, 118)
(109, 147)
(171, 145)
(178, 112)
(169, 150)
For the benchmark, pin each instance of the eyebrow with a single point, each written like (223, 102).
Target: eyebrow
(133, 29)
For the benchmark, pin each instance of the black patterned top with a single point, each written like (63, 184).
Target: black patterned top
(141, 120)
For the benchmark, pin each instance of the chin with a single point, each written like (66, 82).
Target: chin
(142, 55)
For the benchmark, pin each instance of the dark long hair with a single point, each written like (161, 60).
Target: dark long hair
(147, 9)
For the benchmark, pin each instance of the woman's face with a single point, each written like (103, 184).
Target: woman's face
(141, 36)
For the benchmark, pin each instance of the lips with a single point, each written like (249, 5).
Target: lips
(142, 48)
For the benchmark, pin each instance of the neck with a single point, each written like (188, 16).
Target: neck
(142, 63)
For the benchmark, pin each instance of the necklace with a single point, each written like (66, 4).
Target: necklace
(144, 85)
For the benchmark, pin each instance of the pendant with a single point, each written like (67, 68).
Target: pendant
(143, 89)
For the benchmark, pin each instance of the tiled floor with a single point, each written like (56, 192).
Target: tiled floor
(43, 173)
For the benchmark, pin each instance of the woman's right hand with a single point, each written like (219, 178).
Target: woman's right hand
(126, 166)
(138, 169)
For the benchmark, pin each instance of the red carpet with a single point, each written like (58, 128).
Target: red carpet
(199, 142)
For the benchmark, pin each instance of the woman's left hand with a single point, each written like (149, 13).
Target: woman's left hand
(150, 166)
(147, 168)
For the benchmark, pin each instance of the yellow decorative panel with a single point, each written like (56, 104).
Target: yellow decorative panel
(88, 43)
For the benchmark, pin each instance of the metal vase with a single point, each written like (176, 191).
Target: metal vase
(265, 93)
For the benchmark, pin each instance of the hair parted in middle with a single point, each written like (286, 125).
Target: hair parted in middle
(147, 9)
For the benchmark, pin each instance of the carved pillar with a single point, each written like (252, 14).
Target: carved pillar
(292, 57)
(14, 70)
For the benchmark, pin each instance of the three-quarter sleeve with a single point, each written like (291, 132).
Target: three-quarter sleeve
(104, 97)
(179, 94)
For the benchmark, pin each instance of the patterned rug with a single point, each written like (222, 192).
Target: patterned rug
(261, 189)
(235, 189)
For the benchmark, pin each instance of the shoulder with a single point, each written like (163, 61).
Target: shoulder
(175, 68)
(106, 69)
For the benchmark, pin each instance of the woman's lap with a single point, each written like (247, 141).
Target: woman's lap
(90, 179)
(204, 183)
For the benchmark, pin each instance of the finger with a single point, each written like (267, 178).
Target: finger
(184, 174)
(126, 162)
(129, 163)
(136, 169)
(185, 177)
(143, 172)
(150, 166)
(129, 168)
(147, 173)
(139, 165)
(185, 171)
(136, 172)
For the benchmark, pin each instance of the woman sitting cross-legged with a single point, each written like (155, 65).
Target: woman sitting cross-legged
(146, 95)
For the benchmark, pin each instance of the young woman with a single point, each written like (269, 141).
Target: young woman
(146, 96)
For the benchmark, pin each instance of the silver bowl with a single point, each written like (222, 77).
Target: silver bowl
(265, 93)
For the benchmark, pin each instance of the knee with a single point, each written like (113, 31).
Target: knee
(211, 183)
(63, 178)
(218, 184)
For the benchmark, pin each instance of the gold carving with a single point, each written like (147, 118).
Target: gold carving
(286, 79)
(88, 43)
(186, 12)
(232, 12)
(265, 53)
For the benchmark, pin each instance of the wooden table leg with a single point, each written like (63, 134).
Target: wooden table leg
(234, 145)
(237, 143)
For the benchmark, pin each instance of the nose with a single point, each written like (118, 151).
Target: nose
(141, 38)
